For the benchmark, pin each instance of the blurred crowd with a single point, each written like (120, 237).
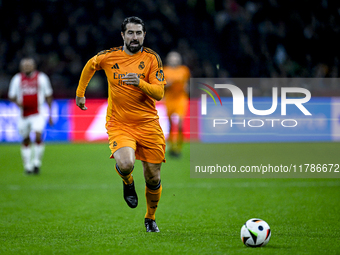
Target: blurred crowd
(217, 38)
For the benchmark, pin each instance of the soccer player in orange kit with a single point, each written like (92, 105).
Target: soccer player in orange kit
(136, 80)
(176, 98)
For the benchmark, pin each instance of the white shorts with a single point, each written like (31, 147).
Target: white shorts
(33, 123)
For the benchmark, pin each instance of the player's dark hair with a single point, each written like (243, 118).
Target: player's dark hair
(134, 20)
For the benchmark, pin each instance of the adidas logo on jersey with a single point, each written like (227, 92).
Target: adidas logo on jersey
(115, 66)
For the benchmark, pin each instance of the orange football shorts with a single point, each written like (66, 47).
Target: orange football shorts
(147, 140)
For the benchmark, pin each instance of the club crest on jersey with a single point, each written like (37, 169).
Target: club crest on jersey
(114, 144)
(141, 65)
(160, 75)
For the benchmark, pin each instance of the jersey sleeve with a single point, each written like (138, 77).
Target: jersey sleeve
(14, 87)
(155, 88)
(46, 84)
(89, 70)
(157, 72)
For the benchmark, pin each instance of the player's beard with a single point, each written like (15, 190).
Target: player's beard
(134, 49)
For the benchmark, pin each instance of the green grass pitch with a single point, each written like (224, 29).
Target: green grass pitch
(76, 206)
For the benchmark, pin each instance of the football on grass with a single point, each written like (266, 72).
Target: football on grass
(255, 233)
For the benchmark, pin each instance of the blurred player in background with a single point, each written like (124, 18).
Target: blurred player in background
(136, 80)
(176, 98)
(29, 89)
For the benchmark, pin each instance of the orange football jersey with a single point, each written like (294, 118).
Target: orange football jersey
(127, 104)
(178, 78)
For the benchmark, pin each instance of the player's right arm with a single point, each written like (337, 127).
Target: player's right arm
(13, 92)
(88, 71)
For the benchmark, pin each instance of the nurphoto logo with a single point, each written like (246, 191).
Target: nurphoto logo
(238, 105)
(258, 112)
(204, 97)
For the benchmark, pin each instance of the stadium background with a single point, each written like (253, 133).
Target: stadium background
(222, 38)
(75, 206)
(258, 38)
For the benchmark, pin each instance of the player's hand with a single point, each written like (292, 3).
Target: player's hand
(131, 79)
(50, 121)
(80, 102)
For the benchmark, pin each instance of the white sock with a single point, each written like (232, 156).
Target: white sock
(38, 154)
(26, 155)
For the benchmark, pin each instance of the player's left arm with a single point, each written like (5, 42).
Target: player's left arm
(154, 90)
(48, 93)
(155, 87)
(49, 100)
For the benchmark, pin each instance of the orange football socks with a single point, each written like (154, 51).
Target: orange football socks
(152, 195)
